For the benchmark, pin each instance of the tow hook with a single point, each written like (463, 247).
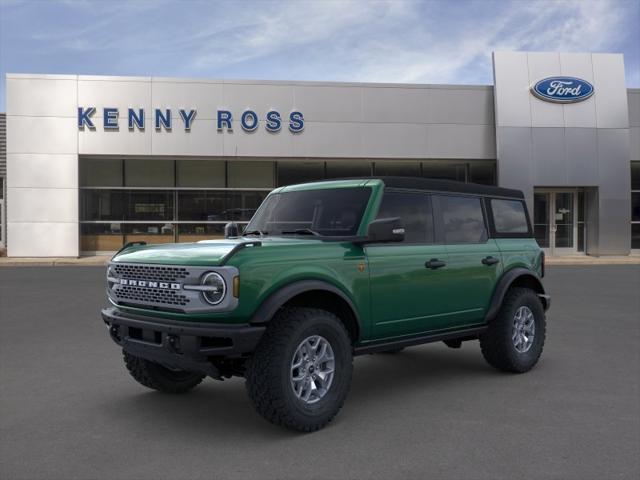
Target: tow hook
(114, 331)
(173, 343)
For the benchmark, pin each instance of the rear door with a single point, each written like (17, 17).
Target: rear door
(407, 296)
(474, 260)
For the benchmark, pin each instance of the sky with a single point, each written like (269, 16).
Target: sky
(404, 41)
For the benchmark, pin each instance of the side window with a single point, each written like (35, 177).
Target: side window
(509, 216)
(415, 211)
(462, 219)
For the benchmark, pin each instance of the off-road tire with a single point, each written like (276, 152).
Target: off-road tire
(157, 377)
(496, 344)
(268, 380)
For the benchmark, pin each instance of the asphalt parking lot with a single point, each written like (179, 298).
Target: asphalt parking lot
(68, 408)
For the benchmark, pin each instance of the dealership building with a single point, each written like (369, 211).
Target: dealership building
(94, 162)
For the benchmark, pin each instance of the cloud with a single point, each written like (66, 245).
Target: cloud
(406, 41)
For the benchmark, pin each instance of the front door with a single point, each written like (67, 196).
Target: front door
(555, 221)
(409, 283)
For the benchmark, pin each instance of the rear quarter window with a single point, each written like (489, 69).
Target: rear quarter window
(509, 216)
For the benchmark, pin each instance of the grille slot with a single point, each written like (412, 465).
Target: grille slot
(145, 295)
(153, 273)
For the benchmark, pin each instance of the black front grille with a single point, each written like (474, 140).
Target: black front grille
(151, 272)
(132, 294)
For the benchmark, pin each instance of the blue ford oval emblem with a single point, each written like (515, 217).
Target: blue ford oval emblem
(562, 89)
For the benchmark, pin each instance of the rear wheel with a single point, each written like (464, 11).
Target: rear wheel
(514, 340)
(300, 373)
(155, 376)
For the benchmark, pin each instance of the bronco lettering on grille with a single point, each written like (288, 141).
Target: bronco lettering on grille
(149, 284)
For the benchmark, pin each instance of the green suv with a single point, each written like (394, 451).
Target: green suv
(325, 271)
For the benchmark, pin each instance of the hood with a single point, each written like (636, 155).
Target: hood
(204, 253)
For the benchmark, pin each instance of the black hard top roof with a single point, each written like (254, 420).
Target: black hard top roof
(433, 184)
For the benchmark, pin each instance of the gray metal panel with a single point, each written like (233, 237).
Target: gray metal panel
(514, 143)
(591, 148)
(614, 236)
(544, 114)
(549, 157)
(3, 144)
(460, 141)
(581, 114)
(399, 140)
(395, 105)
(581, 156)
(633, 98)
(612, 110)
(614, 171)
(461, 106)
(614, 192)
(511, 80)
(592, 208)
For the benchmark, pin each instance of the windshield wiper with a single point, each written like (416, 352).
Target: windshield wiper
(302, 231)
(255, 232)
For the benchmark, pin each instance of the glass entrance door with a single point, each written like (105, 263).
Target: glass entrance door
(554, 219)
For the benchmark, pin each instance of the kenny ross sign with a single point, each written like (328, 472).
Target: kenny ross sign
(163, 119)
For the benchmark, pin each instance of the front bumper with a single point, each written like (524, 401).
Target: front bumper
(182, 345)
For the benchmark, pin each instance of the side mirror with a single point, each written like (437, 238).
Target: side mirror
(385, 230)
(231, 230)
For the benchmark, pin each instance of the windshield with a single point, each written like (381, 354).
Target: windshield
(326, 212)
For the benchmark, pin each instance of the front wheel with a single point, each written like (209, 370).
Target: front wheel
(514, 340)
(300, 373)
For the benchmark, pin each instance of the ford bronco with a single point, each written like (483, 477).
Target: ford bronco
(325, 271)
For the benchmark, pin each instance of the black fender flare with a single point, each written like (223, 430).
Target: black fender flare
(506, 280)
(273, 302)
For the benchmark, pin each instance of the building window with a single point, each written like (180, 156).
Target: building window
(445, 170)
(292, 172)
(101, 172)
(149, 173)
(179, 200)
(346, 169)
(201, 173)
(397, 169)
(250, 174)
(635, 205)
(166, 200)
(482, 172)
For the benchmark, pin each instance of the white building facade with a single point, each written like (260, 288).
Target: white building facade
(96, 162)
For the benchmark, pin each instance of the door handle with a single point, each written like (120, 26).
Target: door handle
(490, 260)
(434, 264)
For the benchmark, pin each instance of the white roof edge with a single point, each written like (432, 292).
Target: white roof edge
(310, 83)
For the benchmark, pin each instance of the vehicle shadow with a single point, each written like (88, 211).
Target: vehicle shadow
(216, 408)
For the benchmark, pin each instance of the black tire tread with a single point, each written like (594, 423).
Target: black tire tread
(148, 374)
(266, 363)
(494, 349)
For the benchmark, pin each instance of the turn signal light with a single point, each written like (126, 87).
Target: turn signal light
(236, 287)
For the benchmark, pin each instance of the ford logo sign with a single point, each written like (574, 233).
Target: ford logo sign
(562, 89)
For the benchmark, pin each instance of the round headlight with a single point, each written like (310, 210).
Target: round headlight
(216, 288)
